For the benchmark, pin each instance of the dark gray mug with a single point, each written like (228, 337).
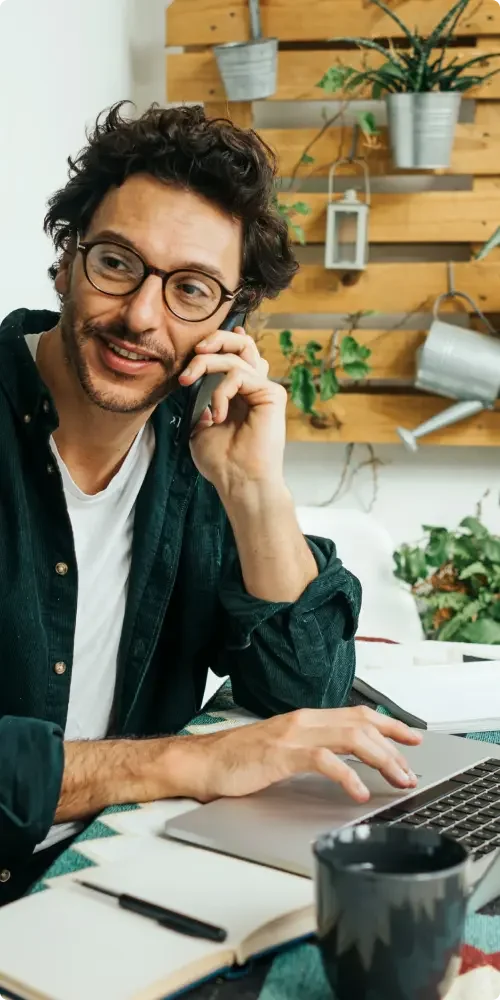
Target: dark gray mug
(391, 906)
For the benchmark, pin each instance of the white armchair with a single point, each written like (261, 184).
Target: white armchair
(388, 611)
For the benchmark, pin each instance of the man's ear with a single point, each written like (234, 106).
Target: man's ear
(63, 276)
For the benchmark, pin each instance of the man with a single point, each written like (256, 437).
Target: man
(133, 557)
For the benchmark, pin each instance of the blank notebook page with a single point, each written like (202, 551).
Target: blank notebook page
(443, 694)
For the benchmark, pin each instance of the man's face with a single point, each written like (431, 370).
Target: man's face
(170, 228)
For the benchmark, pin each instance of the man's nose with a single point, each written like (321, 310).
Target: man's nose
(146, 307)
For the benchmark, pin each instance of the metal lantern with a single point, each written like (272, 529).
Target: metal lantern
(347, 224)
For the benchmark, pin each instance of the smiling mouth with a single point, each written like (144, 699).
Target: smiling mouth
(123, 352)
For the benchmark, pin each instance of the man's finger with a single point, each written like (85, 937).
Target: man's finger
(232, 342)
(377, 754)
(320, 760)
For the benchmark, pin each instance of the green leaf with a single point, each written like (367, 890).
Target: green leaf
(311, 351)
(357, 370)
(368, 43)
(335, 78)
(439, 546)
(286, 342)
(491, 243)
(351, 351)
(465, 615)
(473, 524)
(412, 37)
(299, 232)
(492, 549)
(483, 630)
(411, 564)
(305, 158)
(475, 569)
(452, 599)
(367, 123)
(328, 384)
(300, 208)
(303, 390)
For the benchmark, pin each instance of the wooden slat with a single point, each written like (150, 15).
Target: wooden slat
(373, 419)
(476, 149)
(393, 351)
(387, 288)
(240, 112)
(207, 22)
(428, 217)
(193, 76)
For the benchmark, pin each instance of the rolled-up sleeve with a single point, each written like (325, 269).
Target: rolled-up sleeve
(31, 771)
(284, 656)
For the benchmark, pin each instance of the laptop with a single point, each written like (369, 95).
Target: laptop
(458, 792)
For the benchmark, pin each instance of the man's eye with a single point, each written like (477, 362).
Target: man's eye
(191, 290)
(113, 263)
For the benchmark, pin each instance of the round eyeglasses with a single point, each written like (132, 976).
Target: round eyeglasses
(115, 269)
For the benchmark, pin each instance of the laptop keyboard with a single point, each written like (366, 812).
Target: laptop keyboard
(466, 806)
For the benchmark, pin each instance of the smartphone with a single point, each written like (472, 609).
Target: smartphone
(200, 392)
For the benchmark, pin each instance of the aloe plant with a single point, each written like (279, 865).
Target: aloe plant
(415, 69)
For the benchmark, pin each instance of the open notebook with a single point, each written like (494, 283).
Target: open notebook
(447, 697)
(69, 943)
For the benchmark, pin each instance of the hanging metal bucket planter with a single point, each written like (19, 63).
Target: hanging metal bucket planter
(422, 128)
(248, 69)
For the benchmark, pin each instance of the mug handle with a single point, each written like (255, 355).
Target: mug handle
(474, 901)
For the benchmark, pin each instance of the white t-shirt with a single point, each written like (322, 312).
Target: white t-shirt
(102, 526)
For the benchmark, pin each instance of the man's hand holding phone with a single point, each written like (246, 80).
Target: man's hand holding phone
(241, 440)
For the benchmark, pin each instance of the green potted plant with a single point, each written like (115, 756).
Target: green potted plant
(312, 372)
(455, 578)
(422, 84)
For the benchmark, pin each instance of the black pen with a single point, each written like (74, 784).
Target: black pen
(167, 918)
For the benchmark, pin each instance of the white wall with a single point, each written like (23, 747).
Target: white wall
(61, 63)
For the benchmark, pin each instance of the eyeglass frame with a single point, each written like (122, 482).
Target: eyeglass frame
(85, 246)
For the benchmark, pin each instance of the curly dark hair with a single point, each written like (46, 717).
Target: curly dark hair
(228, 165)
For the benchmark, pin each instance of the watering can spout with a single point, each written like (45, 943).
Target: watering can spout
(459, 411)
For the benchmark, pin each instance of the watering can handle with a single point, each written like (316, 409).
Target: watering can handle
(333, 170)
(462, 295)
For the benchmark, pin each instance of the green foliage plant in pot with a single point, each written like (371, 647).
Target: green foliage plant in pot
(423, 84)
(455, 579)
(312, 372)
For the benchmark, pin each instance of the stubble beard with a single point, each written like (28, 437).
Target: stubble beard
(74, 342)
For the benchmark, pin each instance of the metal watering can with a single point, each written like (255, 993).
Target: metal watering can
(460, 364)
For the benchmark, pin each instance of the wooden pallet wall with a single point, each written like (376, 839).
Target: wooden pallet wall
(429, 219)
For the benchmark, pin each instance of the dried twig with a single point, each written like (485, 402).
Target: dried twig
(343, 476)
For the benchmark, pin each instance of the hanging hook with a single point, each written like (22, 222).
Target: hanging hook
(451, 280)
(354, 143)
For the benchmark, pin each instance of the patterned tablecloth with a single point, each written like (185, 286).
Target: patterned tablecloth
(119, 832)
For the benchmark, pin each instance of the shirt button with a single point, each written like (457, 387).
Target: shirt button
(50, 468)
(4, 875)
(46, 406)
(60, 667)
(27, 418)
(61, 568)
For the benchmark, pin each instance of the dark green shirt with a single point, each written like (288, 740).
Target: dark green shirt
(187, 608)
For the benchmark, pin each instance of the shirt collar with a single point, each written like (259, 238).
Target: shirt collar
(19, 375)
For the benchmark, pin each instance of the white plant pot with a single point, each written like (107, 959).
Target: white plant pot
(248, 69)
(422, 128)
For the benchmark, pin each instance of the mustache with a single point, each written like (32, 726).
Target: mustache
(121, 332)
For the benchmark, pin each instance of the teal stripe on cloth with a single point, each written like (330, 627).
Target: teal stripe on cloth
(296, 975)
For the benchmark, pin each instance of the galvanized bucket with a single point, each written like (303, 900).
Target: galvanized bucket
(422, 128)
(248, 69)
